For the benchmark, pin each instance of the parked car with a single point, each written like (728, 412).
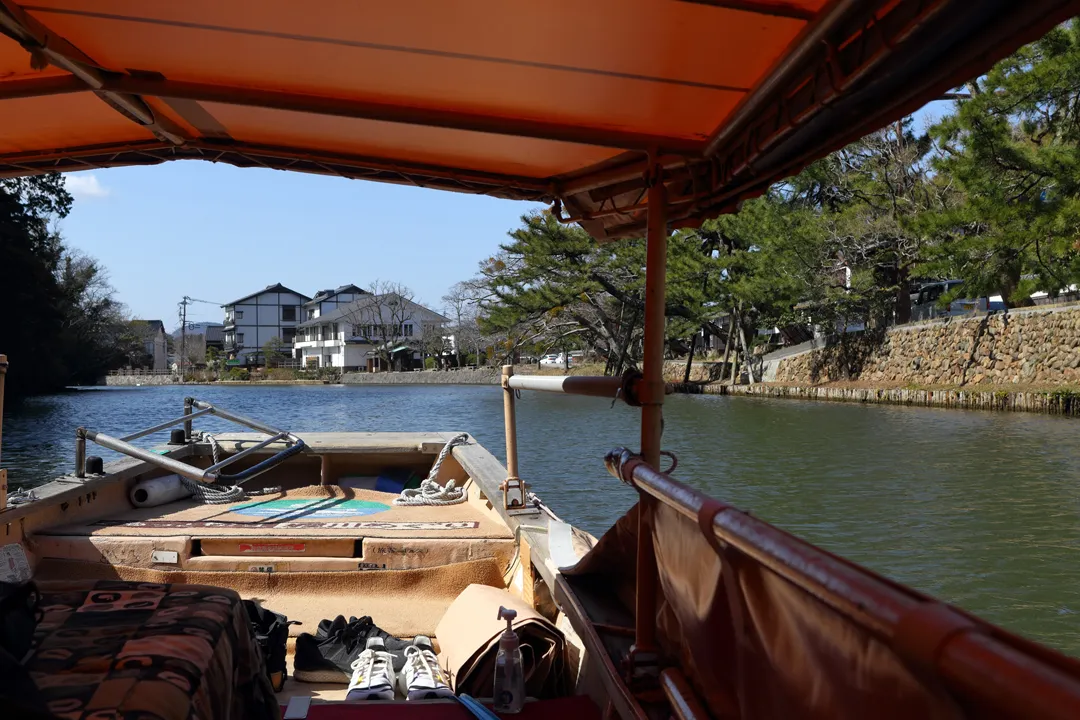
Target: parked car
(555, 360)
(926, 303)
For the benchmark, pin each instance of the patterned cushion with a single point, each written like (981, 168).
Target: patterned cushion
(147, 651)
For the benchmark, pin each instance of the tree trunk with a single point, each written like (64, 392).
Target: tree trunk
(736, 319)
(746, 354)
(727, 343)
(903, 296)
(690, 358)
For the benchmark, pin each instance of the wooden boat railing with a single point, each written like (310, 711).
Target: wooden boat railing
(972, 662)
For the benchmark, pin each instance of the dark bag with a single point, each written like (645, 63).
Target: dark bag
(271, 633)
(19, 616)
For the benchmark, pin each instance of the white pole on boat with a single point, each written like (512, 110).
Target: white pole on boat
(513, 480)
(652, 409)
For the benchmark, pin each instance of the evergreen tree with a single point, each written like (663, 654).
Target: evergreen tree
(1014, 148)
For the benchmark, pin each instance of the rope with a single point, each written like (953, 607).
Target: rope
(219, 494)
(430, 492)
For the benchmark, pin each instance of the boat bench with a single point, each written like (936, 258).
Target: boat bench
(110, 648)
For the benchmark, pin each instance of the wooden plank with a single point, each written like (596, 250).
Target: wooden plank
(528, 575)
(625, 704)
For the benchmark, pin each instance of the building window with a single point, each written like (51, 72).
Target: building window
(310, 314)
(334, 336)
(288, 335)
(240, 338)
(288, 313)
(239, 314)
(406, 329)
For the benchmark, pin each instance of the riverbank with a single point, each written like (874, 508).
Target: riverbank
(1054, 401)
(488, 375)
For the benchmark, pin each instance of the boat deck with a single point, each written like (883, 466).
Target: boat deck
(314, 511)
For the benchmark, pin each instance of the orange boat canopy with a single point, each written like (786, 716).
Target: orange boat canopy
(564, 101)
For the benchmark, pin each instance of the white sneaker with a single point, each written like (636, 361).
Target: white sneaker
(373, 672)
(422, 678)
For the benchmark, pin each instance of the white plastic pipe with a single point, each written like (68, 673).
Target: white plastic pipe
(158, 491)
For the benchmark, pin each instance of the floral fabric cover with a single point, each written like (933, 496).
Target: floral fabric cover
(148, 651)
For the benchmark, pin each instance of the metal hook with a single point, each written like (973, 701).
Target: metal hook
(618, 392)
(674, 461)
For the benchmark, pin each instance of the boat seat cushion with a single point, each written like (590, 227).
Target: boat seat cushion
(116, 649)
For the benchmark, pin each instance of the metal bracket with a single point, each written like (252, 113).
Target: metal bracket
(515, 485)
(641, 669)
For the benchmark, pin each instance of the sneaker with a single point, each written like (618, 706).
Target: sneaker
(328, 655)
(372, 673)
(422, 678)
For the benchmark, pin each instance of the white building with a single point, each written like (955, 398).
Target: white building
(253, 320)
(327, 300)
(346, 336)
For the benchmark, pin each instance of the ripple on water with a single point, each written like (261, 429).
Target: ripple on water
(980, 509)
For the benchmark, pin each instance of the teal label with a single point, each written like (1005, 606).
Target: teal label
(311, 508)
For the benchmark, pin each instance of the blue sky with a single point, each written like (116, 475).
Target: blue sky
(216, 232)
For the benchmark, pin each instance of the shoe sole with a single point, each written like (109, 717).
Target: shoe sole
(320, 676)
(430, 694)
(358, 694)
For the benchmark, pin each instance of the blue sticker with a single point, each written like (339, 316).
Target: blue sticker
(311, 508)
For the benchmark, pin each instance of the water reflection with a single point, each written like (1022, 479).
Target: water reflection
(981, 509)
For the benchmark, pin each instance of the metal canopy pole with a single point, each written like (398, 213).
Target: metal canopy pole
(652, 407)
(513, 481)
(3, 473)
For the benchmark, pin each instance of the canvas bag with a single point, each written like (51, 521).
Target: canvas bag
(469, 634)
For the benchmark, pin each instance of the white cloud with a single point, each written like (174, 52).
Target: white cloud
(85, 186)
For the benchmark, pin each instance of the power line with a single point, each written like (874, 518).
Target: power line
(187, 300)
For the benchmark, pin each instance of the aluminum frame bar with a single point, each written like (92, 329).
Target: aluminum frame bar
(247, 451)
(239, 419)
(163, 461)
(163, 426)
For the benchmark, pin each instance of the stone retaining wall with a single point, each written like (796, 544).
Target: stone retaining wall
(1061, 402)
(425, 377)
(135, 380)
(1031, 346)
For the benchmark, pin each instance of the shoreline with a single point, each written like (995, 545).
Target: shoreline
(1063, 401)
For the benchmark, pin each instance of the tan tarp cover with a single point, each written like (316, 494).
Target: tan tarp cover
(535, 100)
(756, 646)
(469, 635)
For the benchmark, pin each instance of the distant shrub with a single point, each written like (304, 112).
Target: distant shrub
(330, 374)
(238, 374)
(281, 374)
(429, 363)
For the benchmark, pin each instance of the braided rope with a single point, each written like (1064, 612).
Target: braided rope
(213, 494)
(430, 492)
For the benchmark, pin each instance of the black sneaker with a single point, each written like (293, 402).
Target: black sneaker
(329, 657)
(271, 631)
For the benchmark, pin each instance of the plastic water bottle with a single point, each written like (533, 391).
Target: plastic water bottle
(509, 673)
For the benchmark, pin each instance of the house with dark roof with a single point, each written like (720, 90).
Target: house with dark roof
(251, 321)
(328, 300)
(353, 335)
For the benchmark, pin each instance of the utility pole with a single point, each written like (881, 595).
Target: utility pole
(183, 335)
(187, 300)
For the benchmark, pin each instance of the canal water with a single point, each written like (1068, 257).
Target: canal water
(980, 509)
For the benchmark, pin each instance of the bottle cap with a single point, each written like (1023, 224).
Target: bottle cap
(509, 637)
